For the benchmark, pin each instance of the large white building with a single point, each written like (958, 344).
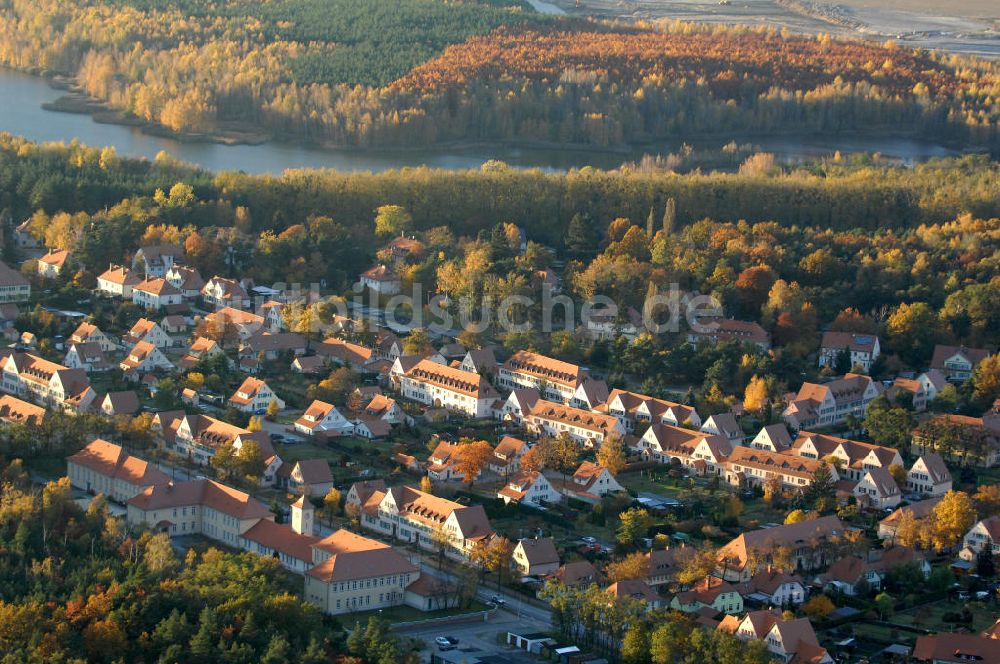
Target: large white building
(442, 386)
(103, 467)
(554, 379)
(829, 404)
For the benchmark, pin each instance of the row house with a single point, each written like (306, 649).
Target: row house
(254, 396)
(980, 438)
(199, 437)
(447, 387)
(47, 383)
(185, 279)
(547, 418)
(90, 333)
(554, 379)
(410, 515)
(516, 408)
(221, 292)
(634, 409)
(117, 281)
(751, 467)
(105, 468)
(855, 457)
(149, 331)
(714, 330)
(807, 541)
(957, 363)
(861, 349)
(481, 361)
(155, 294)
(956, 648)
(773, 438)
(590, 395)
(14, 287)
(16, 411)
(725, 425)
(700, 451)
(830, 404)
(877, 489)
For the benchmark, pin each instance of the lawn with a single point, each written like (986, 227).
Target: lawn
(931, 616)
(398, 614)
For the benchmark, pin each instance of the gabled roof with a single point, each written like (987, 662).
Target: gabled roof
(14, 410)
(315, 471)
(121, 275)
(918, 509)
(765, 539)
(577, 573)
(454, 380)
(883, 482)
(158, 286)
(853, 341)
(936, 469)
(280, 537)
(576, 417)
(539, 551)
(546, 368)
(122, 403)
(356, 557)
(972, 355)
(111, 461)
(955, 647)
(380, 273)
(10, 277)
(207, 493)
(634, 588)
(728, 328)
(55, 258)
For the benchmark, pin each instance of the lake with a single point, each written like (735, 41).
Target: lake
(21, 114)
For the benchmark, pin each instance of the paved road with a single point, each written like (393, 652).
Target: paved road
(480, 639)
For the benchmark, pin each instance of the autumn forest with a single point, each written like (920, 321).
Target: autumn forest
(424, 72)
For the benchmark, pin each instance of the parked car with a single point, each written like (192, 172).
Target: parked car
(446, 642)
(499, 601)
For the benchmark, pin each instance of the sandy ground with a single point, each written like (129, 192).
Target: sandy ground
(971, 28)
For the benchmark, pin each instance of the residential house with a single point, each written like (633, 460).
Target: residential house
(933, 381)
(371, 428)
(254, 396)
(381, 279)
(344, 353)
(634, 409)
(589, 483)
(481, 361)
(591, 394)
(243, 324)
(441, 463)
(855, 457)
(185, 279)
(308, 477)
(16, 411)
(980, 438)
(87, 356)
(577, 574)
(956, 648)
(149, 331)
(530, 488)
(144, 358)
(272, 346)
(87, 333)
(775, 587)
(773, 438)
(13, 286)
(447, 387)
(831, 403)
(535, 557)
(662, 566)
(200, 349)
(174, 324)
(23, 238)
(517, 407)
(120, 403)
(507, 456)
(547, 418)
(984, 534)
(221, 292)
(385, 408)
(47, 383)
(360, 492)
(607, 324)
(155, 294)
(199, 437)
(794, 641)
(103, 467)
(747, 466)
(912, 389)
(635, 589)
(752, 627)
(877, 489)
(714, 330)
(117, 281)
(387, 345)
(50, 266)
(807, 542)
(711, 592)
(957, 362)
(323, 419)
(861, 349)
(929, 476)
(855, 575)
(312, 365)
(410, 515)
(554, 379)
(725, 425)
(702, 452)
(155, 260)
(887, 527)
(271, 311)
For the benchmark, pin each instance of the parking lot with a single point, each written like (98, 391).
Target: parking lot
(480, 639)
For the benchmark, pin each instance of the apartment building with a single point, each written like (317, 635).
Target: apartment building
(447, 387)
(554, 379)
(103, 467)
